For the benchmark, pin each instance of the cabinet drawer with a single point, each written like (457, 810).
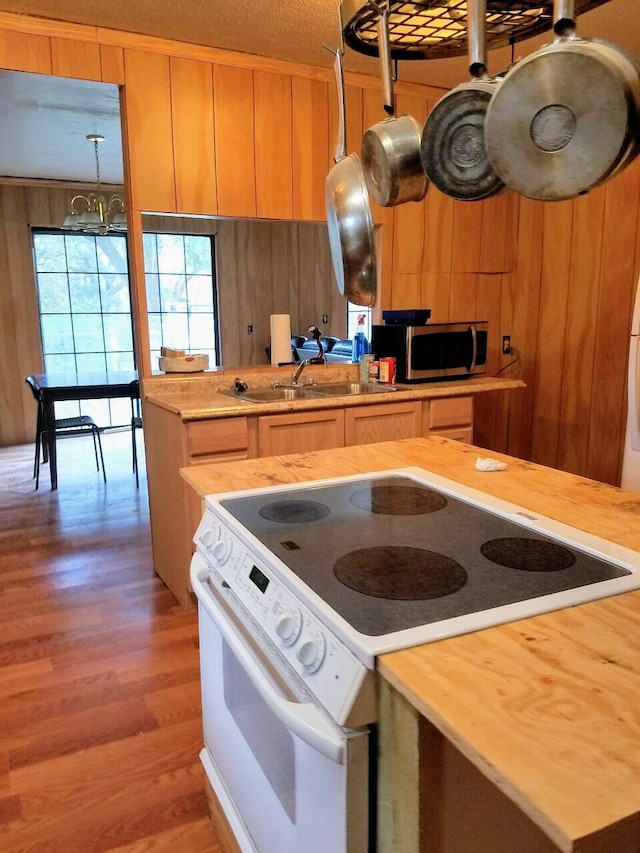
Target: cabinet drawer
(453, 411)
(226, 435)
(457, 434)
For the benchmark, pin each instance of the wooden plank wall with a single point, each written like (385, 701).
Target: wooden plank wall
(558, 277)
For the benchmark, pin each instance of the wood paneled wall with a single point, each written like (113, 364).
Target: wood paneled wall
(216, 133)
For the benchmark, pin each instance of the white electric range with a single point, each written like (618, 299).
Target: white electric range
(308, 583)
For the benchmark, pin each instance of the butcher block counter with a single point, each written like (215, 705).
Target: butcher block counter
(522, 738)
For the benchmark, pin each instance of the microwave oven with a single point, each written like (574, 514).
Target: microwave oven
(434, 351)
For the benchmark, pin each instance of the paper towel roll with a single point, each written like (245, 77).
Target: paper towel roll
(280, 338)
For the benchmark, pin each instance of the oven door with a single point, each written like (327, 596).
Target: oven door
(288, 778)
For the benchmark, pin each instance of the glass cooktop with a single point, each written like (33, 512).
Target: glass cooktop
(388, 553)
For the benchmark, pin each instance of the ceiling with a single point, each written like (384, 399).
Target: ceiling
(51, 117)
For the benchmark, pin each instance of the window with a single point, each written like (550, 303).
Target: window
(179, 272)
(85, 312)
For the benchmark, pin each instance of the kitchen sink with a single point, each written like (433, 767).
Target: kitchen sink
(284, 393)
(279, 394)
(347, 389)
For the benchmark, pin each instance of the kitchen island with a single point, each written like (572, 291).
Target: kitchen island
(522, 738)
(195, 420)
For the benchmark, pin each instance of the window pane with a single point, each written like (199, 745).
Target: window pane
(91, 362)
(88, 333)
(200, 293)
(197, 255)
(202, 333)
(57, 334)
(153, 292)
(67, 409)
(49, 253)
(150, 251)
(59, 363)
(54, 293)
(119, 361)
(155, 332)
(117, 332)
(112, 255)
(175, 331)
(85, 293)
(81, 253)
(170, 253)
(114, 291)
(173, 296)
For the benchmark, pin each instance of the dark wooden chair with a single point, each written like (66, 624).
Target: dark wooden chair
(136, 423)
(65, 428)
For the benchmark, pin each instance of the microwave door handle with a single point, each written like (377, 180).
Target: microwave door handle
(304, 720)
(474, 348)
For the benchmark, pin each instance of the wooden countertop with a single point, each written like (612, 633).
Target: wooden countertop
(547, 708)
(201, 399)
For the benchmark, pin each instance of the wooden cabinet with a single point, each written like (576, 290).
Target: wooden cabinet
(388, 422)
(451, 417)
(175, 509)
(301, 432)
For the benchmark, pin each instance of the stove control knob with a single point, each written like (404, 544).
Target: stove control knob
(288, 626)
(222, 550)
(311, 652)
(208, 537)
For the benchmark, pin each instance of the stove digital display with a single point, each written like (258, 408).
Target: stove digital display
(259, 579)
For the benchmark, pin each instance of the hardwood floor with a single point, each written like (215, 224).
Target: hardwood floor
(100, 723)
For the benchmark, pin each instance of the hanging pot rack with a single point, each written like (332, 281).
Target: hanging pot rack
(437, 29)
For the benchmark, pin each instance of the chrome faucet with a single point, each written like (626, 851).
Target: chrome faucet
(298, 371)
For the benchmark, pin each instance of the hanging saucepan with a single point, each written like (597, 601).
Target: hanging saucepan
(453, 149)
(566, 118)
(351, 233)
(391, 148)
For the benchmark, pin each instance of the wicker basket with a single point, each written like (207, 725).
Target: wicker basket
(184, 364)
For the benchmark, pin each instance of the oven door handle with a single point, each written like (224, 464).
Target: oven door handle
(304, 720)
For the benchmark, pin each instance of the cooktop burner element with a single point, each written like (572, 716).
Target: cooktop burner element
(403, 499)
(294, 512)
(400, 573)
(528, 555)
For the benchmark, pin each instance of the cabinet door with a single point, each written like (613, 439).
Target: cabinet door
(301, 432)
(452, 418)
(386, 422)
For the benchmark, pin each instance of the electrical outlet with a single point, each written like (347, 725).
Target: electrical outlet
(325, 318)
(249, 330)
(506, 344)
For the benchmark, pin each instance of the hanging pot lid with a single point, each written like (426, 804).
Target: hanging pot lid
(566, 118)
(453, 149)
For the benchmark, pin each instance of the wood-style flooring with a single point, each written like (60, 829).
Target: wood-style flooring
(100, 724)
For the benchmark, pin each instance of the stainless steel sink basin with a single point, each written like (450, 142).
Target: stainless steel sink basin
(347, 389)
(284, 393)
(278, 394)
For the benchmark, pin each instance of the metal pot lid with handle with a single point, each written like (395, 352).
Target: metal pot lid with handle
(566, 118)
(390, 149)
(349, 220)
(453, 147)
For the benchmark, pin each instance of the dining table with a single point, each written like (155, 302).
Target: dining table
(91, 385)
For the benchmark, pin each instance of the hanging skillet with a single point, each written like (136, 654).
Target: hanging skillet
(351, 234)
(566, 118)
(452, 149)
(391, 148)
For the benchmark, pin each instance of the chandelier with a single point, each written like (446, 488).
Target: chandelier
(96, 213)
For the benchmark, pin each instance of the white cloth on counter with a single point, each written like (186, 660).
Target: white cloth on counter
(483, 463)
(280, 338)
